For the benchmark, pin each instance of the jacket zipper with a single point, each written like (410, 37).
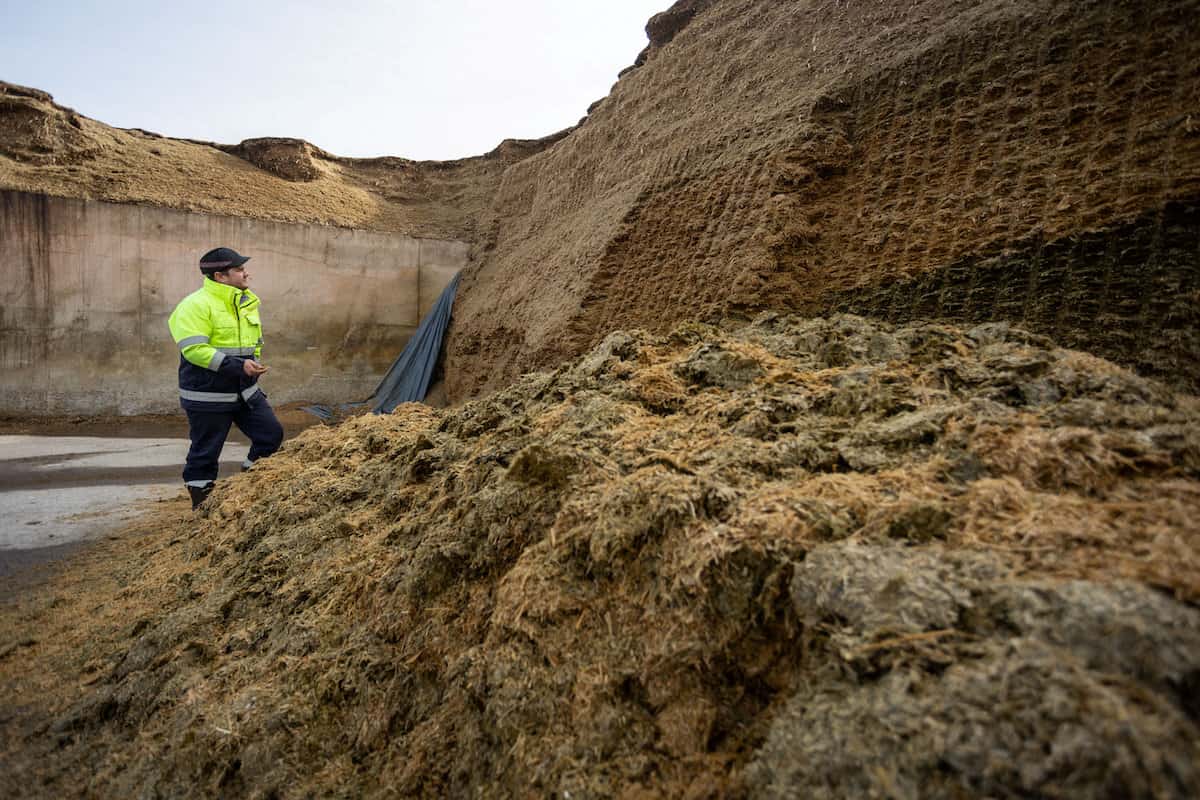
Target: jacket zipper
(237, 316)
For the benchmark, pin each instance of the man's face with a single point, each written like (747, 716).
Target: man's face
(236, 277)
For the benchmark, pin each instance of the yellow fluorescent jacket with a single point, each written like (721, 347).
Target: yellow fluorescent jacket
(217, 328)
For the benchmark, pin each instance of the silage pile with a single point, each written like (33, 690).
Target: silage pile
(791, 557)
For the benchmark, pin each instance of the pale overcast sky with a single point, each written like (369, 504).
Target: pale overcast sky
(422, 80)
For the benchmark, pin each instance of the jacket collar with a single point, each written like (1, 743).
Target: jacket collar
(230, 295)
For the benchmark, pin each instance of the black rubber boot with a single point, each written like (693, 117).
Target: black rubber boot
(199, 494)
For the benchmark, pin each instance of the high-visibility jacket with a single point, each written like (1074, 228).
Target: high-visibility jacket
(217, 328)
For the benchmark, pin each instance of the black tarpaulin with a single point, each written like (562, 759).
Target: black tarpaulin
(408, 378)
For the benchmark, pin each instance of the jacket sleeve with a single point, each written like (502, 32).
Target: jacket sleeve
(191, 329)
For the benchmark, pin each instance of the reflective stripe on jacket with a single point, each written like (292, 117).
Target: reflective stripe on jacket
(216, 328)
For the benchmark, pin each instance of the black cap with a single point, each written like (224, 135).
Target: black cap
(221, 259)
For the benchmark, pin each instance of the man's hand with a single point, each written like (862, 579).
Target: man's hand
(253, 369)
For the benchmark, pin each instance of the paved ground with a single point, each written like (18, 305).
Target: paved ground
(57, 492)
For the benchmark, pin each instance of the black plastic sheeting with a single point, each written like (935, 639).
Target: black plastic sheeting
(408, 378)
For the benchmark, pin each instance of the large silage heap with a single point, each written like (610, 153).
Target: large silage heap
(792, 556)
(1030, 162)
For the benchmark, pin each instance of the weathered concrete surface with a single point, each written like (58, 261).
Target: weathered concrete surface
(59, 491)
(86, 288)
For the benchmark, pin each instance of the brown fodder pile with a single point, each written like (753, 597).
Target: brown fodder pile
(971, 161)
(49, 149)
(795, 557)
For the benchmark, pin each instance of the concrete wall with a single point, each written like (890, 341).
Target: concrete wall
(86, 289)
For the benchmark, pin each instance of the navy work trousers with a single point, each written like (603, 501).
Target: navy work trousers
(208, 429)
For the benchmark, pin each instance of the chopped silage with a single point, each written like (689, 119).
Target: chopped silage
(794, 557)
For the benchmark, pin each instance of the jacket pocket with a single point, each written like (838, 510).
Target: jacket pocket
(253, 330)
(225, 330)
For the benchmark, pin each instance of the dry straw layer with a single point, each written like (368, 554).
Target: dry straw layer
(794, 557)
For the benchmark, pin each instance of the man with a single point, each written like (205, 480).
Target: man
(220, 342)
